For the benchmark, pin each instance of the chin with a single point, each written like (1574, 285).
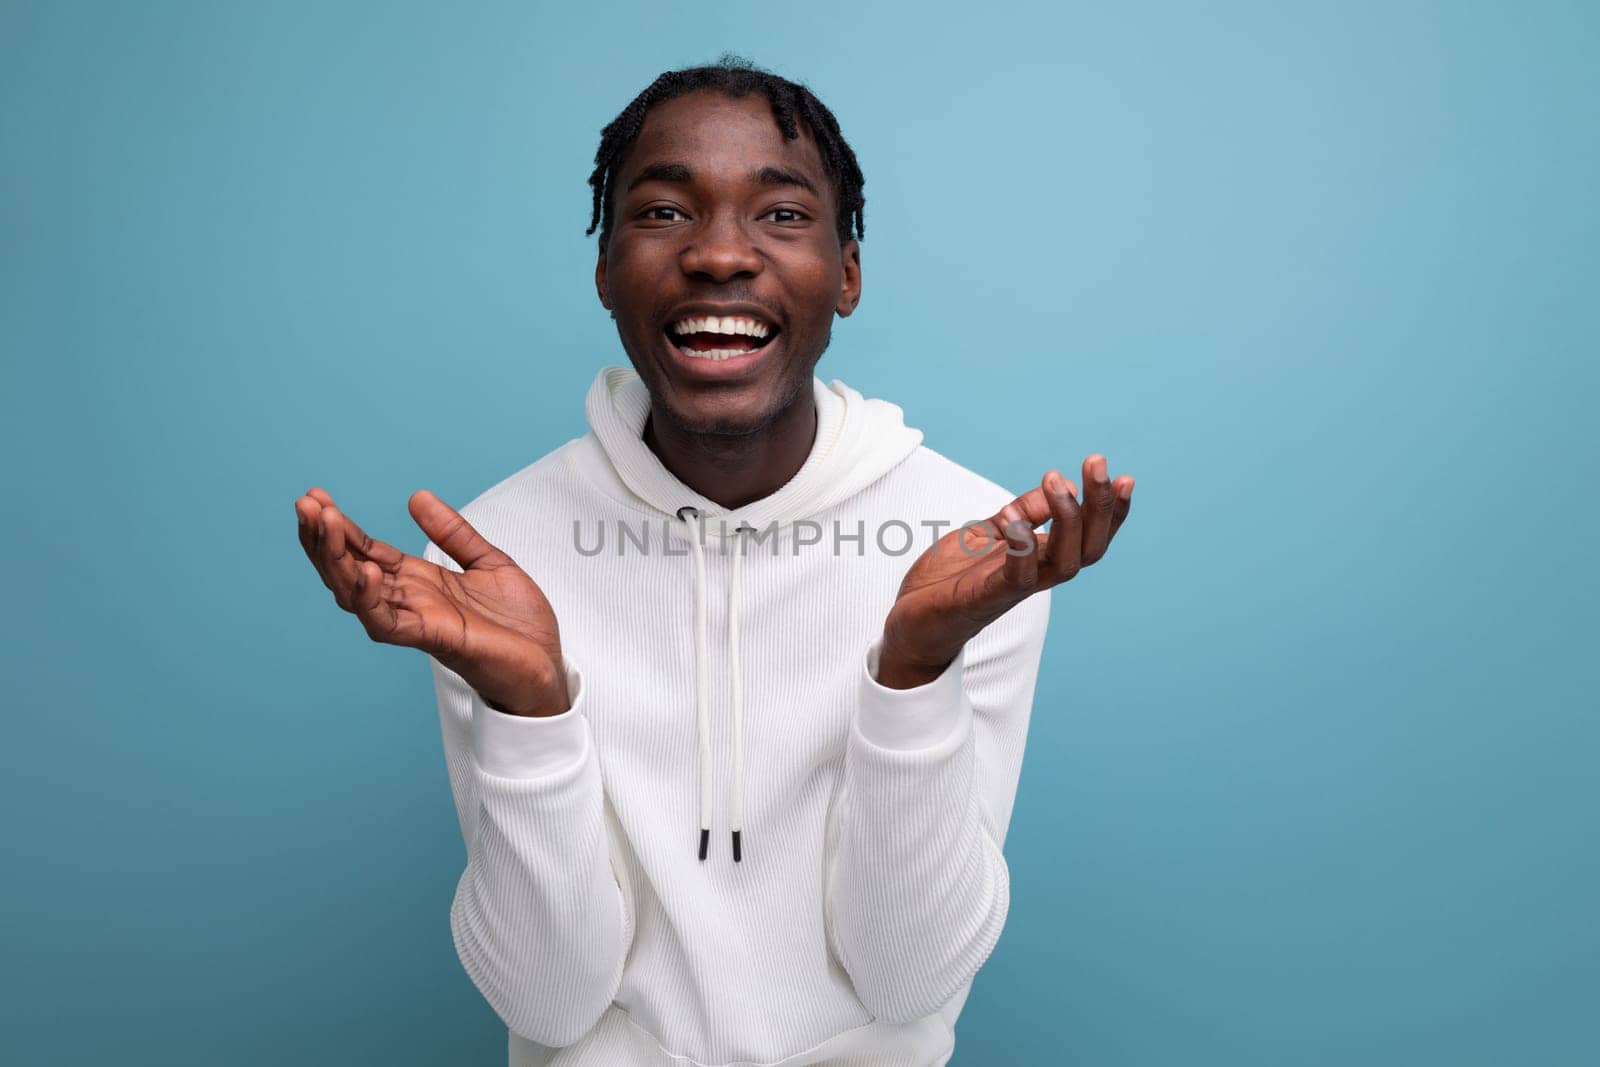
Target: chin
(734, 408)
(726, 416)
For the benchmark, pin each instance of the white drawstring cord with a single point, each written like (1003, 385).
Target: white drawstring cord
(701, 682)
(736, 802)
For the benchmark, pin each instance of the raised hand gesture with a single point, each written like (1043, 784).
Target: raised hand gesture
(489, 623)
(972, 576)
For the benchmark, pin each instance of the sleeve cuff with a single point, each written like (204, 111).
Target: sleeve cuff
(916, 718)
(528, 746)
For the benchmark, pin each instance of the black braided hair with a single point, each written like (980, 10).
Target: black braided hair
(734, 77)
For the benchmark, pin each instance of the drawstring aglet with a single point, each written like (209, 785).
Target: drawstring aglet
(705, 840)
(736, 846)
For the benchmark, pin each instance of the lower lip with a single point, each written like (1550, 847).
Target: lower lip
(712, 370)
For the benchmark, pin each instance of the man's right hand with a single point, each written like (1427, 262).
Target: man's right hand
(490, 623)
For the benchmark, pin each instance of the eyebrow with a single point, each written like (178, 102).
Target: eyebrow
(660, 172)
(779, 176)
(678, 172)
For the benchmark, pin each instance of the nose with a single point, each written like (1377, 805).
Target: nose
(720, 251)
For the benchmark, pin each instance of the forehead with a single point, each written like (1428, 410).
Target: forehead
(715, 134)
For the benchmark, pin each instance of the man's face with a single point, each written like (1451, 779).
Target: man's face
(718, 217)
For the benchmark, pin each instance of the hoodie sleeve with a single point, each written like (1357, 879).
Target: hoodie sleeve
(539, 920)
(917, 886)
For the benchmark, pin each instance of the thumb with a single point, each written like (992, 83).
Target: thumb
(454, 535)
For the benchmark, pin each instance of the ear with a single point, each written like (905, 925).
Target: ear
(600, 281)
(850, 288)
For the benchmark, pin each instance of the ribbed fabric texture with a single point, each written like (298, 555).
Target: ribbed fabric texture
(872, 884)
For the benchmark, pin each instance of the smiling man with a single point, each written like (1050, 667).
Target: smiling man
(750, 652)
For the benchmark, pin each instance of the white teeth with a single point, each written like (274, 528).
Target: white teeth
(716, 354)
(728, 325)
(737, 324)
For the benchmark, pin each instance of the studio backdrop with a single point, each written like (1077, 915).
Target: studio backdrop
(1310, 775)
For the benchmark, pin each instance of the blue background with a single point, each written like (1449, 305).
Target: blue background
(1312, 771)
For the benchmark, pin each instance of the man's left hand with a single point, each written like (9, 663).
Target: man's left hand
(974, 575)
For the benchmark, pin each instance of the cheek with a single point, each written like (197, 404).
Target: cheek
(816, 279)
(827, 296)
(633, 267)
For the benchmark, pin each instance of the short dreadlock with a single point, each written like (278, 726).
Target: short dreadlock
(736, 77)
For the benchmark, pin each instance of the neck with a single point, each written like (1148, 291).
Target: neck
(736, 469)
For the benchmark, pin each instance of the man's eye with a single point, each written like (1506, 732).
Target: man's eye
(661, 214)
(784, 214)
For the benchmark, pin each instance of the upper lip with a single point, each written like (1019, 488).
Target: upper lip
(694, 310)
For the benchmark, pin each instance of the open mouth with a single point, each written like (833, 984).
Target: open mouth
(717, 338)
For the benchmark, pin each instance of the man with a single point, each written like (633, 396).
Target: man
(699, 615)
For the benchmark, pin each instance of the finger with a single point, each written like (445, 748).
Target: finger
(373, 603)
(309, 510)
(367, 593)
(453, 534)
(356, 539)
(364, 546)
(1017, 575)
(306, 510)
(338, 565)
(1033, 506)
(1123, 488)
(1063, 555)
(980, 538)
(311, 505)
(1021, 567)
(1098, 504)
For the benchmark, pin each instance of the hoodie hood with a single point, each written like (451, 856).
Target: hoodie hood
(858, 441)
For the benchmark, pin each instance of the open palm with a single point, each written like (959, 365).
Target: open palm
(490, 622)
(973, 575)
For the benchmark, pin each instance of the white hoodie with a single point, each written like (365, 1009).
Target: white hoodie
(726, 700)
